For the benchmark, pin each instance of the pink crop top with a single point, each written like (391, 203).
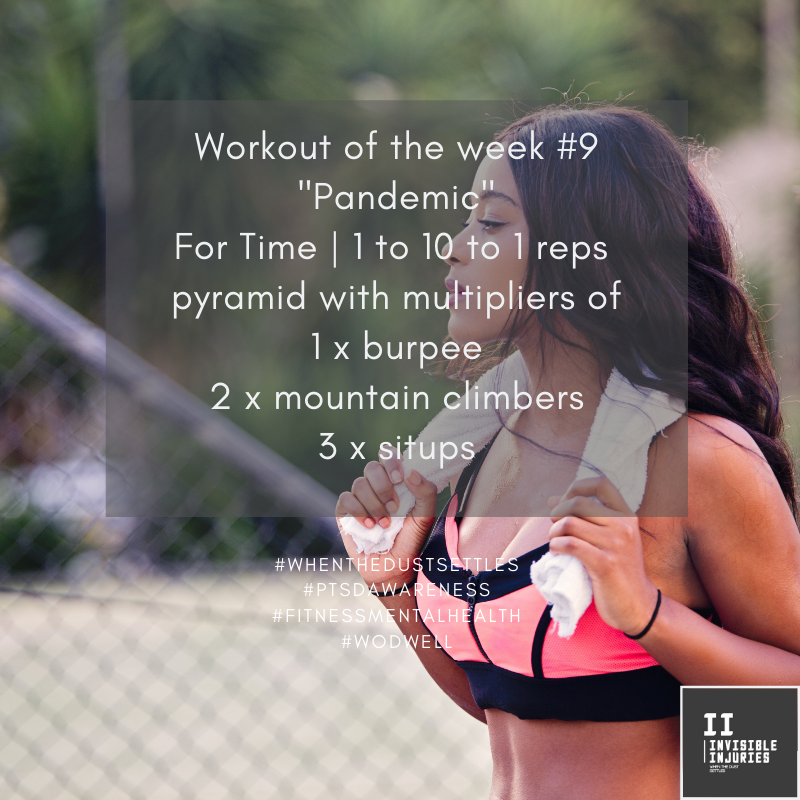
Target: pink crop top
(496, 626)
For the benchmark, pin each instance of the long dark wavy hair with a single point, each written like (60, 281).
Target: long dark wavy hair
(640, 193)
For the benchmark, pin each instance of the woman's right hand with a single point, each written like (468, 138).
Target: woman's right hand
(372, 501)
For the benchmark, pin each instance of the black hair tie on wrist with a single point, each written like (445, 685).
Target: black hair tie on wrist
(652, 619)
(396, 590)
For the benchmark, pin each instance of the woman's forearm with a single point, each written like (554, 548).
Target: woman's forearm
(447, 674)
(698, 652)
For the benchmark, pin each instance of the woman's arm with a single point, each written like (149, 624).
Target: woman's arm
(697, 652)
(744, 545)
(372, 501)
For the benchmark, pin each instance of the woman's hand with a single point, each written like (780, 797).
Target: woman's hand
(593, 523)
(372, 500)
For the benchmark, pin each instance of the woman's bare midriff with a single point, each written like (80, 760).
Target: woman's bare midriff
(556, 760)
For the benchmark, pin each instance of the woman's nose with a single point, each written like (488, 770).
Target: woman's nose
(459, 252)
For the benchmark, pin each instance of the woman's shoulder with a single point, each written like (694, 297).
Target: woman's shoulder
(710, 441)
(720, 446)
(728, 473)
(719, 463)
(740, 532)
(712, 431)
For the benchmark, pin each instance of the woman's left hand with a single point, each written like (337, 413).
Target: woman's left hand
(593, 523)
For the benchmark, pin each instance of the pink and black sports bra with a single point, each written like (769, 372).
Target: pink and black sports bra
(496, 626)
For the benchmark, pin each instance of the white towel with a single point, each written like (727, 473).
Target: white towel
(449, 425)
(565, 584)
(627, 418)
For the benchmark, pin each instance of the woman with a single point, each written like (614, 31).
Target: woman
(735, 556)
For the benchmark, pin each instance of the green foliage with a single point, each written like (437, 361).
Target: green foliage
(18, 344)
(48, 158)
(232, 542)
(205, 50)
(706, 52)
(31, 542)
(543, 44)
(202, 539)
(709, 53)
(427, 48)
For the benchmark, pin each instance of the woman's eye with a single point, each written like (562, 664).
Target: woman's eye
(465, 223)
(490, 223)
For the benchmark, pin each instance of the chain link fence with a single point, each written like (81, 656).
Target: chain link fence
(191, 656)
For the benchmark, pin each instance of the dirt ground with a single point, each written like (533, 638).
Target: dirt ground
(192, 688)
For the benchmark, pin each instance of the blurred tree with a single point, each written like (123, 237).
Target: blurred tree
(414, 49)
(708, 53)
(534, 44)
(184, 49)
(202, 50)
(704, 51)
(47, 144)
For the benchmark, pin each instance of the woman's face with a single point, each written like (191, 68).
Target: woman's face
(492, 228)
